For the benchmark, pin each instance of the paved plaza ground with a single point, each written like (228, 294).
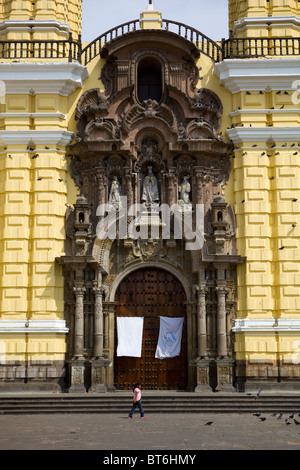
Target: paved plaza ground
(157, 433)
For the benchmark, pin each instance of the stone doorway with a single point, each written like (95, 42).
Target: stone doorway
(151, 293)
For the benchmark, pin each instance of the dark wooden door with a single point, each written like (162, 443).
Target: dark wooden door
(151, 293)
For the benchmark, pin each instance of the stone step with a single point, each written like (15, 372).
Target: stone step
(115, 403)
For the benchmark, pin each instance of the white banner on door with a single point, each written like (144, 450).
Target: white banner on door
(169, 340)
(130, 336)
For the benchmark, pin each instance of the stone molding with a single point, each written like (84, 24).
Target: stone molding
(32, 26)
(258, 74)
(266, 22)
(36, 137)
(50, 78)
(268, 325)
(264, 134)
(33, 326)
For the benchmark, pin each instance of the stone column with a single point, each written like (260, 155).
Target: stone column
(201, 322)
(221, 322)
(79, 292)
(98, 323)
(76, 365)
(109, 335)
(98, 363)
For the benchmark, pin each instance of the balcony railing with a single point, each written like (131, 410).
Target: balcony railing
(38, 49)
(71, 50)
(244, 48)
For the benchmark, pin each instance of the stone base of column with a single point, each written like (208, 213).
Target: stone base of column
(203, 376)
(98, 375)
(76, 370)
(225, 375)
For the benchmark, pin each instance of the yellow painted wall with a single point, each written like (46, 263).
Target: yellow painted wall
(261, 188)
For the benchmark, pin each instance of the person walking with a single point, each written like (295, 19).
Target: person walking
(137, 401)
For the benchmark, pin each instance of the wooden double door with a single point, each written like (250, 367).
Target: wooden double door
(151, 293)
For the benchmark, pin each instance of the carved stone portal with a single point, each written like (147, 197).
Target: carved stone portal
(149, 153)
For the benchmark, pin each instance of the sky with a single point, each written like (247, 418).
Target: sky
(208, 16)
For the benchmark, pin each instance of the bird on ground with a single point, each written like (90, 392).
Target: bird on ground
(258, 394)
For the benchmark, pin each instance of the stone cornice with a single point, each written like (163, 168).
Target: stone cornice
(33, 326)
(264, 134)
(258, 74)
(33, 78)
(270, 325)
(34, 25)
(35, 137)
(266, 22)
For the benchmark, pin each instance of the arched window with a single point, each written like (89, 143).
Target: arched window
(149, 80)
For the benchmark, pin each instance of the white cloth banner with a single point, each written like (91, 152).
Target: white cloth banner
(169, 340)
(130, 336)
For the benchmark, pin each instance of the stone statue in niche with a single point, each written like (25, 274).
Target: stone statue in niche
(184, 194)
(114, 200)
(150, 194)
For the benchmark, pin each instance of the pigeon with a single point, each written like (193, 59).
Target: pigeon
(257, 414)
(257, 395)
(209, 423)
(263, 419)
(280, 416)
(296, 422)
(287, 422)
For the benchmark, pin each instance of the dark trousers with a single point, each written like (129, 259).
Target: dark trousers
(139, 404)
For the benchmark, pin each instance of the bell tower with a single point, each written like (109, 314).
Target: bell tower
(264, 18)
(265, 166)
(40, 19)
(40, 73)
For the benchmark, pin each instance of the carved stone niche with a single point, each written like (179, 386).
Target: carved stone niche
(174, 53)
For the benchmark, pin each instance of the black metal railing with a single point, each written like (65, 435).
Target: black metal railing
(232, 48)
(39, 49)
(243, 48)
(93, 49)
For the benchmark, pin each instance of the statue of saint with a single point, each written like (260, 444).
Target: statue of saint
(184, 194)
(150, 195)
(114, 195)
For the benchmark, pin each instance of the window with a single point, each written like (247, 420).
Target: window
(149, 80)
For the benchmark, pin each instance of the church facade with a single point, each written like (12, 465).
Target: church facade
(151, 173)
